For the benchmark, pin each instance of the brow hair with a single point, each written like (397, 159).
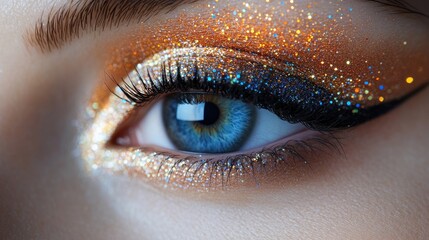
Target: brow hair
(77, 17)
(70, 21)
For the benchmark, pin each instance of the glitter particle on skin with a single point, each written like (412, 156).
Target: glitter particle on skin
(409, 80)
(95, 106)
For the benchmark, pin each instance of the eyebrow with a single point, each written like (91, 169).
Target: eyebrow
(78, 17)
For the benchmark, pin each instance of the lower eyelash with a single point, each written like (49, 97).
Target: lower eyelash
(205, 174)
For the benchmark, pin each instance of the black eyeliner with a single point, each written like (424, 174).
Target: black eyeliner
(293, 99)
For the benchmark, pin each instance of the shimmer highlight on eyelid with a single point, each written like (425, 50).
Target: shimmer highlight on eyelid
(324, 37)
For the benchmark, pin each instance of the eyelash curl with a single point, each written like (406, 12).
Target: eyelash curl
(316, 115)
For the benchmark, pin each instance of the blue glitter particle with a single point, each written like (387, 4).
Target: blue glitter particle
(235, 13)
(381, 87)
(349, 103)
(213, 16)
(366, 83)
(275, 35)
(330, 16)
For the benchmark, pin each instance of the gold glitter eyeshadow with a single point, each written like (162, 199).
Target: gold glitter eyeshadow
(312, 36)
(317, 40)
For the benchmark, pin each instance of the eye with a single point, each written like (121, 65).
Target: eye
(236, 93)
(204, 118)
(206, 123)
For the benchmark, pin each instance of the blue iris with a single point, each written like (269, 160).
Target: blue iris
(206, 123)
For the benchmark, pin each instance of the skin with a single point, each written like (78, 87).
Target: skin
(379, 191)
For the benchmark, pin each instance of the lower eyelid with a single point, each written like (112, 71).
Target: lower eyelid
(302, 135)
(205, 173)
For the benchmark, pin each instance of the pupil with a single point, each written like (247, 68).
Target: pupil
(211, 114)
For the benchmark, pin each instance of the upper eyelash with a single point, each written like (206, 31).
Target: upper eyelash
(180, 83)
(320, 117)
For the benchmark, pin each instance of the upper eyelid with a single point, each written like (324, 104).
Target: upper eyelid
(71, 21)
